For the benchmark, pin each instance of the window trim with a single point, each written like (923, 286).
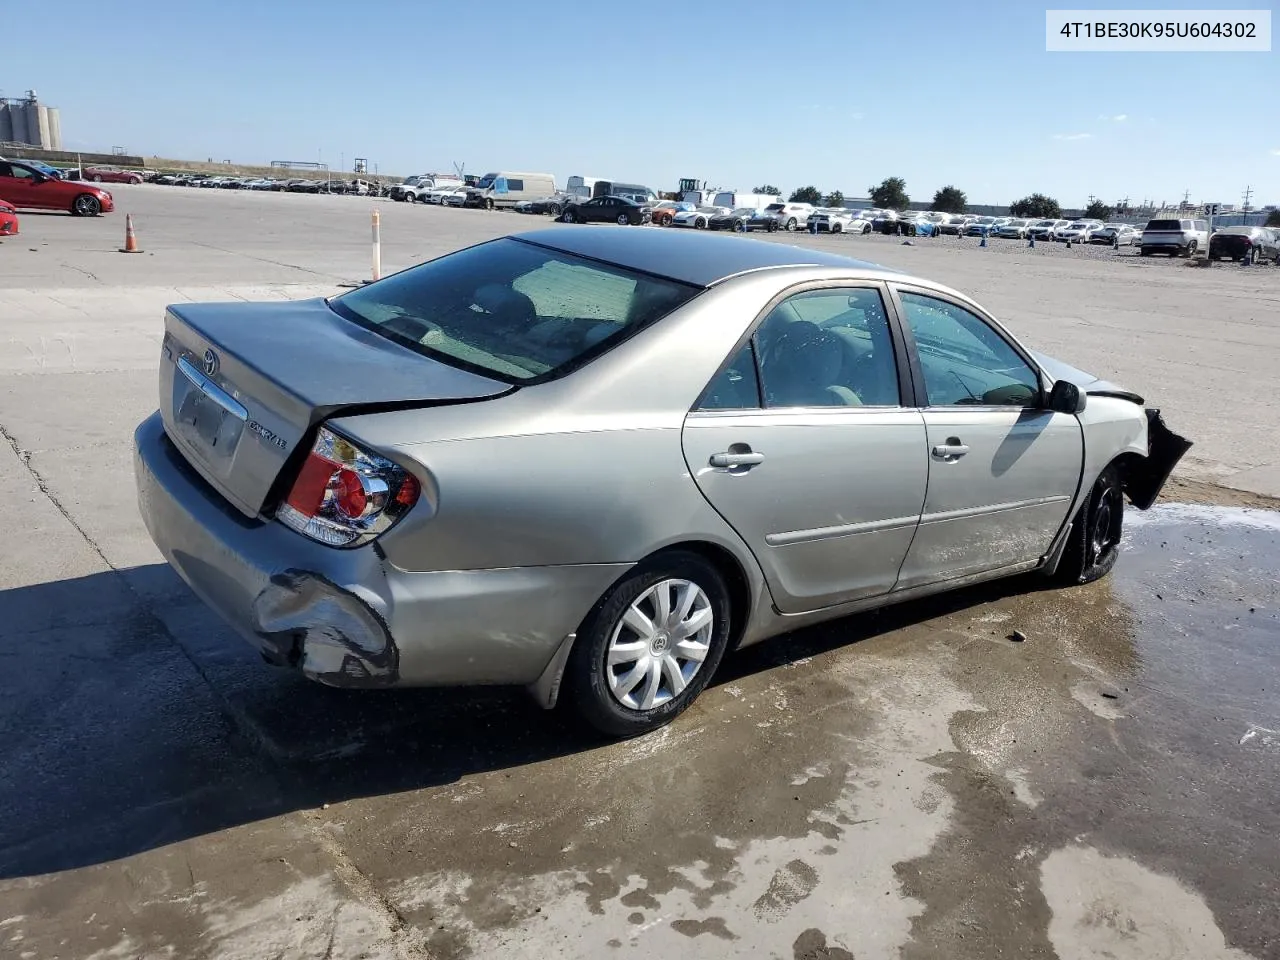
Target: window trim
(901, 354)
(921, 392)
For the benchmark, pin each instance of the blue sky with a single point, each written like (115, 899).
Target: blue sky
(837, 94)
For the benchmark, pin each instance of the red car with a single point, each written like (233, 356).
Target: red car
(110, 175)
(8, 220)
(25, 186)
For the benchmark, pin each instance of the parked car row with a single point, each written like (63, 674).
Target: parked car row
(1246, 244)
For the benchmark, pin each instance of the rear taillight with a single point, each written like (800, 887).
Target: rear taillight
(345, 496)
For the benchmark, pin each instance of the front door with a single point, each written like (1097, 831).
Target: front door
(18, 185)
(1002, 469)
(803, 445)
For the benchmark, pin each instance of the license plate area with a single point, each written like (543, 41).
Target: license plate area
(209, 419)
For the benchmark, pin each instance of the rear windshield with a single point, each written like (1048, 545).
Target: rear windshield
(774, 207)
(1164, 225)
(512, 310)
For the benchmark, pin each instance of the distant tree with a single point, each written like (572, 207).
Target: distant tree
(1037, 205)
(806, 195)
(1097, 210)
(949, 200)
(835, 199)
(891, 194)
(1273, 219)
(769, 190)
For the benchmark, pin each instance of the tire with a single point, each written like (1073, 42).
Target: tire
(866, 229)
(410, 198)
(1191, 249)
(488, 204)
(1253, 256)
(739, 227)
(569, 217)
(772, 227)
(97, 178)
(624, 219)
(135, 180)
(86, 205)
(791, 225)
(699, 223)
(556, 210)
(1144, 252)
(836, 228)
(597, 691)
(1093, 543)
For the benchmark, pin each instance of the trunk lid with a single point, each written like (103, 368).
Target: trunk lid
(243, 384)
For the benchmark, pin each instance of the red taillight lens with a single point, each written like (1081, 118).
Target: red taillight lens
(345, 496)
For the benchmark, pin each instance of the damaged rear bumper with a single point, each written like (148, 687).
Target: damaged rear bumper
(351, 618)
(1164, 449)
(303, 605)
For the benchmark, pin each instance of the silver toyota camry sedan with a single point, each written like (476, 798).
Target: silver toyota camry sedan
(593, 461)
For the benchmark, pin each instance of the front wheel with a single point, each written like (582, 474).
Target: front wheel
(556, 210)
(1093, 544)
(86, 205)
(699, 224)
(650, 646)
(488, 204)
(791, 224)
(569, 217)
(1253, 256)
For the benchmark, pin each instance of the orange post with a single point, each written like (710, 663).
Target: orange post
(130, 240)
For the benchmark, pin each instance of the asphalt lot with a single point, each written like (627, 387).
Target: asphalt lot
(904, 784)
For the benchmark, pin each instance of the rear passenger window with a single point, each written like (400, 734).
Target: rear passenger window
(515, 184)
(736, 387)
(828, 348)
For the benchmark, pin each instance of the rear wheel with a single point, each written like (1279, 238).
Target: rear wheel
(700, 223)
(623, 219)
(86, 205)
(556, 210)
(1093, 544)
(791, 224)
(650, 646)
(97, 178)
(569, 217)
(1253, 255)
(1191, 249)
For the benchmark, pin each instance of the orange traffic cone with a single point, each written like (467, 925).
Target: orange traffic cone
(130, 241)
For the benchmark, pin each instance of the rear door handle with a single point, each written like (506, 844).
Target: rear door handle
(736, 459)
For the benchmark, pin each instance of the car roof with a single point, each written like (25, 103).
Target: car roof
(696, 257)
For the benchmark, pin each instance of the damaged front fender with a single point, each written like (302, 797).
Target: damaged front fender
(1144, 479)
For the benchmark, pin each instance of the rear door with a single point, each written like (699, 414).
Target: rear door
(803, 444)
(1002, 469)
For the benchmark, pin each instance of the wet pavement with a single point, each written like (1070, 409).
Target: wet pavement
(912, 783)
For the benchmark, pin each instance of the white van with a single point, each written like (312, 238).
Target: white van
(505, 189)
(738, 201)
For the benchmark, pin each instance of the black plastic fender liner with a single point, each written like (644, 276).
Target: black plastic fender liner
(335, 637)
(1144, 480)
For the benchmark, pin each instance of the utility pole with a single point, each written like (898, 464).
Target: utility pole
(1248, 192)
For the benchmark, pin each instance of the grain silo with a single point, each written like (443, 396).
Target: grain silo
(55, 128)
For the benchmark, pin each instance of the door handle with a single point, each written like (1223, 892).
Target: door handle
(950, 451)
(731, 460)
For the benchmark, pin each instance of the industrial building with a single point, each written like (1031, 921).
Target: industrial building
(28, 122)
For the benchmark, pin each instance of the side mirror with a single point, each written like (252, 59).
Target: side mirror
(1066, 397)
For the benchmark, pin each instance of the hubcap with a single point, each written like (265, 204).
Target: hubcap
(659, 645)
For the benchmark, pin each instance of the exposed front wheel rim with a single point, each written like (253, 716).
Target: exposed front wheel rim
(1103, 535)
(86, 206)
(659, 644)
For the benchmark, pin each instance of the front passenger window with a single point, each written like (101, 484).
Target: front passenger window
(965, 361)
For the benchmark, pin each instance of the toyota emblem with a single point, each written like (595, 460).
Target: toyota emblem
(210, 363)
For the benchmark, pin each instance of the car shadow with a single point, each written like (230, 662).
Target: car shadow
(126, 731)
